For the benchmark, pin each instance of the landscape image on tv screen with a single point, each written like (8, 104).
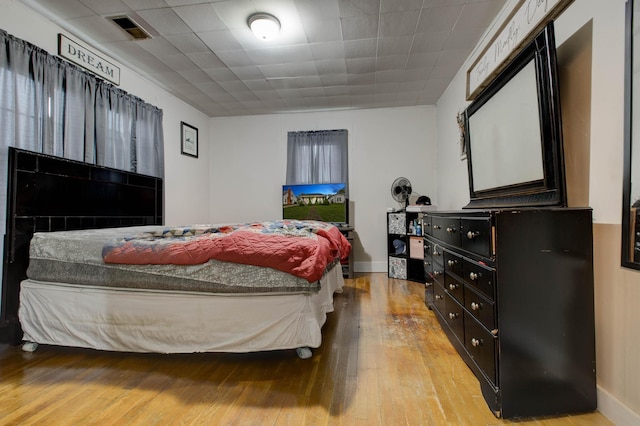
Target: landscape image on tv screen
(326, 202)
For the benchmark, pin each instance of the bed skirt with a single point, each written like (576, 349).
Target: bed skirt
(174, 322)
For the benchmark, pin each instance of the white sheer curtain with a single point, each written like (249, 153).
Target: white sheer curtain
(317, 157)
(51, 106)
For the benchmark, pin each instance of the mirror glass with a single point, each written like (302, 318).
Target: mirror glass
(509, 115)
(631, 184)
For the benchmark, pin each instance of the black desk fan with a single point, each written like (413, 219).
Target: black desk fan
(401, 190)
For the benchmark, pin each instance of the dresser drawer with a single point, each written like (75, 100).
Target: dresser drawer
(438, 297)
(454, 286)
(446, 229)
(427, 257)
(437, 255)
(428, 292)
(475, 235)
(480, 307)
(481, 345)
(427, 225)
(452, 263)
(454, 315)
(480, 277)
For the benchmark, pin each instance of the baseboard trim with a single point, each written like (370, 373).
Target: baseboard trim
(613, 409)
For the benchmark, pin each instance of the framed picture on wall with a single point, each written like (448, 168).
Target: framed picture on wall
(189, 138)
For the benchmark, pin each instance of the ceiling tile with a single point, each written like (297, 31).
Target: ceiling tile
(361, 65)
(234, 58)
(206, 60)
(329, 54)
(102, 30)
(394, 45)
(361, 26)
(159, 47)
(200, 17)
(358, 7)
(396, 24)
(392, 62)
(250, 72)
(187, 43)
(110, 7)
(179, 62)
(399, 5)
(219, 40)
(310, 10)
(164, 21)
(67, 9)
(145, 4)
(438, 19)
(331, 66)
(330, 50)
(325, 30)
(362, 48)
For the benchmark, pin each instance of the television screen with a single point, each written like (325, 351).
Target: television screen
(326, 202)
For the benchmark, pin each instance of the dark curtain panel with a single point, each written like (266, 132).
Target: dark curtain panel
(51, 106)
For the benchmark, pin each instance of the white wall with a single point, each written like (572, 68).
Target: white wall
(248, 160)
(617, 290)
(186, 178)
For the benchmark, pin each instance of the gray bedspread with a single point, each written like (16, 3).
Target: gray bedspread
(75, 257)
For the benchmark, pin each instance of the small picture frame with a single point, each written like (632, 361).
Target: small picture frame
(189, 140)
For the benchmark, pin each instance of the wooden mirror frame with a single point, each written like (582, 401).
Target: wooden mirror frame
(630, 225)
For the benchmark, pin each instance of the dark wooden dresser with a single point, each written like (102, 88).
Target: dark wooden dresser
(513, 290)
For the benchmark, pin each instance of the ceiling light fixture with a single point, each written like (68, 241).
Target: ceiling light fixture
(264, 26)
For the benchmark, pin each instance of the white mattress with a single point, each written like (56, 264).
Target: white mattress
(174, 322)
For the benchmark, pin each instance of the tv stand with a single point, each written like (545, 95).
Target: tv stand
(347, 265)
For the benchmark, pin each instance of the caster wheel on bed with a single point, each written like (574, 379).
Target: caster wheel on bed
(29, 346)
(304, 353)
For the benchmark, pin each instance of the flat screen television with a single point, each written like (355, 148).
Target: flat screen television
(513, 133)
(326, 202)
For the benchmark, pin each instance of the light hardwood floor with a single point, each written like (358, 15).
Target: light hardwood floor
(384, 361)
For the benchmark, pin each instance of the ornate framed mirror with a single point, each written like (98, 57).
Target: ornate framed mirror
(631, 174)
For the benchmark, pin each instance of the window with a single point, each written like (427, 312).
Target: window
(317, 157)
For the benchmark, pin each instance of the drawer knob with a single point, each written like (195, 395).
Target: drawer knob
(436, 273)
(436, 253)
(451, 229)
(472, 234)
(451, 262)
(428, 285)
(475, 306)
(436, 227)
(473, 276)
(438, 297)
(452, 315)
(476, 342)
(453, 287)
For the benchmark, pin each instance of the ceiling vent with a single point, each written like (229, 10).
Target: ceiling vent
(131, 27)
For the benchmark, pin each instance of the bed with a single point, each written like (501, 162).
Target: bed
(89, 264)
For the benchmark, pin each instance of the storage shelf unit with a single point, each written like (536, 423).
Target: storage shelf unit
(405, 246)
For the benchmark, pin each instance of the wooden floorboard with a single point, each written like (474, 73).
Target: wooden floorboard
(384, 360)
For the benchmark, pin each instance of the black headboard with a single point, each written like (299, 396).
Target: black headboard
(46, 193)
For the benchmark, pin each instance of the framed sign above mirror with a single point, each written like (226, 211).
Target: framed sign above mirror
(631, 175)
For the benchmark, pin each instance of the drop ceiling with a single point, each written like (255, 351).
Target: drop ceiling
(331, 54)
